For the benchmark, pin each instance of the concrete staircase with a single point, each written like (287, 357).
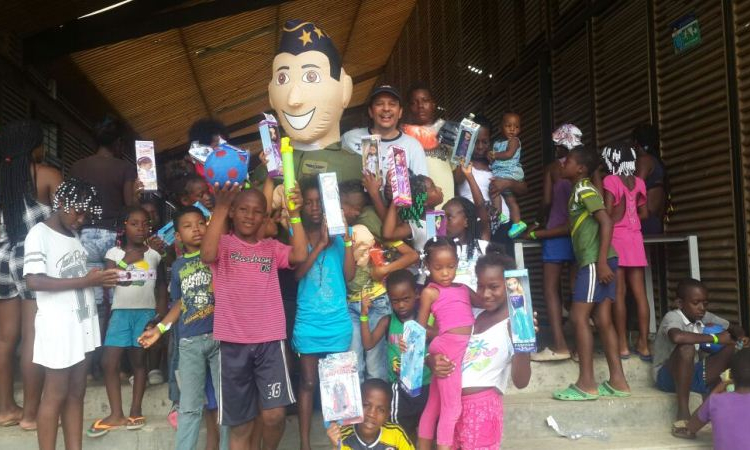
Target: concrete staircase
(642, 421)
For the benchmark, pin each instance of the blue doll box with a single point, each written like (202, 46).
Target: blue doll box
(412, 360)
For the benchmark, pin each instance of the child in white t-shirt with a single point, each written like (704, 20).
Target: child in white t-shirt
(67, 324)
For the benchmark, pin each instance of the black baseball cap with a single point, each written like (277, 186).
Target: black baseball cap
(384, 89)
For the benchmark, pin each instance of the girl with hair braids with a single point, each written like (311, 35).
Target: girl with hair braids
(409, 223)
(67, 326)
(625, 199)
(468, 226)
(26, 189)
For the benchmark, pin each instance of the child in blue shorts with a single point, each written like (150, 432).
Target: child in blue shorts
(591, 231)
(134, 306)
(679, 365)
(557, 247)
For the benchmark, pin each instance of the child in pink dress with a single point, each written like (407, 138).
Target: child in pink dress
(625, 200)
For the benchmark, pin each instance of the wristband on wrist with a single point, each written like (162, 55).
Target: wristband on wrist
(121, 264)
(715, 337)
(347, 243)
(295, 220)
(163, 328)
(532, 235)
(364, 319)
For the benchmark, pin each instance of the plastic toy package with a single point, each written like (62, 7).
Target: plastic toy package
(435, 223)
(371, 154)
(270, 139)
(329, 194)
(412, 360)
(400, 178)
(465, 142)
(199, 152)
(145, 160)
(136, 275)
(340, 396)
(521, 314)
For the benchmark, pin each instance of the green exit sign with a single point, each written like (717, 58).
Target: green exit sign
(686, 34)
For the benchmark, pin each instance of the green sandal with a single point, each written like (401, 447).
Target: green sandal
(573, 394)
(606, 390)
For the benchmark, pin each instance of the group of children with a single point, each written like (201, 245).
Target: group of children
(355, 292)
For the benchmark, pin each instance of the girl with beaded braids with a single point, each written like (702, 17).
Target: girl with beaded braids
(67, 323)
(468, 225)
(625, 200)
(26, 189)
(409, 223)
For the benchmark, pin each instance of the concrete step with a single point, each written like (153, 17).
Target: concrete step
(156, 435)
(619, 439)
(526, 414)
(552, 375)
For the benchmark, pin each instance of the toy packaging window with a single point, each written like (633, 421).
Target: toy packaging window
(270, 138)
(371, 154)
(435, 223)
(400, 178)
(412, 360)
(465, 142)
(340, 396)
(329, 194)
(518, 291)
(145, 160)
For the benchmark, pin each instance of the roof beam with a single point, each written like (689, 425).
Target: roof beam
(133, 20)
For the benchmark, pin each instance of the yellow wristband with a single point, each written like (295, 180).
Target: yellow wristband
(716, 338)
(163, 328)
(121, 264)
(532, 235)
(295, 220)
(347, 243)
(364, 318)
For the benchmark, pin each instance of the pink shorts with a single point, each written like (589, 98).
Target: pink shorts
(481, 424)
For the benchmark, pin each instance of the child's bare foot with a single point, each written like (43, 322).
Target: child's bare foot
(12, 417)
(27, 425)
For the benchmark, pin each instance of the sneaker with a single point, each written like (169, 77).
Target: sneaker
(516, 229)
(155, 377)
(548, 355)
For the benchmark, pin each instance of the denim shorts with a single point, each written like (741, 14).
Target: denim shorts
(665, 381)
(126, 325)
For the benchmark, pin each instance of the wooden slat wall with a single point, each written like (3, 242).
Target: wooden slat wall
(601, 82)
(741, 10)
(694, 125)
(620, 66)
(570, 85)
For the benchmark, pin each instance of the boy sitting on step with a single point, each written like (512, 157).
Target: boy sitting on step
(679, 364)
(726, 411)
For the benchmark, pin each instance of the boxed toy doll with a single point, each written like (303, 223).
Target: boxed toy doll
(329, 195)
(521, 314)
(270, 139)
(340, 396)
(467, 138)
(400, 178)
(145, 160)
(412, 360)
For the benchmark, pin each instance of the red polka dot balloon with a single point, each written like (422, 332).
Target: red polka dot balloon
(226, 163)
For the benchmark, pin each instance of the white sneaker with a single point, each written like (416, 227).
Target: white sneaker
(548, 355)
(155, 377)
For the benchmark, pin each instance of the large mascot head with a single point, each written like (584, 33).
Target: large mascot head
(309, 89)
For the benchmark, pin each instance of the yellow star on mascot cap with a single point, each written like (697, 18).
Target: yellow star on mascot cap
(299, 36)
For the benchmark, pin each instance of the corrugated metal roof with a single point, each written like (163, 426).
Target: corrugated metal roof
(162, 83)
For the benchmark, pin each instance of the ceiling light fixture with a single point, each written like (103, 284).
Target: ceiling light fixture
(116, 5)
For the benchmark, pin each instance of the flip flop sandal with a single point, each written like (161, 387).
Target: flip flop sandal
(135, 423)
(606, 390)
(644, 358)
(573, 394)
(98, 429)
(680, 430)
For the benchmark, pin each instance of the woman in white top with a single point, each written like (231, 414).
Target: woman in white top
(489, 362)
